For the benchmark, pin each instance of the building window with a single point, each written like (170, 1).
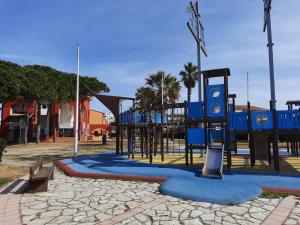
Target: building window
(18, 108)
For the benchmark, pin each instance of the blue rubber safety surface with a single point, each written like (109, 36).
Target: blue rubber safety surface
(186, 183)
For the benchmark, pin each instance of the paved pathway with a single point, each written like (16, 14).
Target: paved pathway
(9, 209)
(294, 216)
(282, 212)
(105, 202)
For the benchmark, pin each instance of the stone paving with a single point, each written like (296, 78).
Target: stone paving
(294, 217)
(85, 201)
(9, 209)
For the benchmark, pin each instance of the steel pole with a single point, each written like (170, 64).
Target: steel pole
(271, 61)
(162, 89)
(77, 106)
(198, 56)
(247, 87)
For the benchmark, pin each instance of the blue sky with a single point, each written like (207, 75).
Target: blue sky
(124, 41)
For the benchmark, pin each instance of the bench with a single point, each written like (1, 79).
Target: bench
(39, 176)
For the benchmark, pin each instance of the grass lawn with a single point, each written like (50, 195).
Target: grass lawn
(271, 194)
(4, 181)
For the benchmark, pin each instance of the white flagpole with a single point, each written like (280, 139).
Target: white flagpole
(77, 106)
(162, 90)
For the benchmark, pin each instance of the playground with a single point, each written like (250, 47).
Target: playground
(204, 133)
(167, 160)
(203, 136)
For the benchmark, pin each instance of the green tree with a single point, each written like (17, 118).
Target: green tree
(171, 89)
(144, 97)
(188, 77)
(43, 85)
(37, 88)
(11, 77)
(58, 87)
(10, 74)
(150, 95)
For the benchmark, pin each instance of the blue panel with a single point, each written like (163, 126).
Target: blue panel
(130, 117)
(262, 120)
(137, 117)
(215, 101)
(144, 118)
(195, 110)
(216, 135)
(196, 136)
(155, 117)
(165, 118)
(126, 117)
(238, 120)
(288, 119)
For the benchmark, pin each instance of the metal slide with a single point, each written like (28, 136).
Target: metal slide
(213, 165)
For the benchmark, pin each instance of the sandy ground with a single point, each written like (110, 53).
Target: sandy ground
(18, 158)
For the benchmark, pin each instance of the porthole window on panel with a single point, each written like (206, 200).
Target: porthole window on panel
(262, 119)
(216, 109)
(215, 93)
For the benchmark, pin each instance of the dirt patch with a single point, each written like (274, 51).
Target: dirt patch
(18, 158)
(13, 172)
(272, 194)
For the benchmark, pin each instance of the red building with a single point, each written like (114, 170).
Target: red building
(55, 118)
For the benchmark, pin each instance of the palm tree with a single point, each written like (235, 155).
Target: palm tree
(144, 97)
(171, 87)
(188, 77)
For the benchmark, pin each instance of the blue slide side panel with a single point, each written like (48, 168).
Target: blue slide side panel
(196, 136)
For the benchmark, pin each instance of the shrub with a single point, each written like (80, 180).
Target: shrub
(2, 147)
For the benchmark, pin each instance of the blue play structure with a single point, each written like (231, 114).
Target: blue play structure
(128, 117)
(212, 126)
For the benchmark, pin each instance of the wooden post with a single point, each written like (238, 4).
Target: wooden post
(118, 135)
(275, 141)
(162, 153)
(142, 136)
(133, 140)
(155, 138)
(150, 128)
(251, 141)
(121, 138)
(167, 136)
(186, 133)
(128, 140)
(227, 131)
(147, 138)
